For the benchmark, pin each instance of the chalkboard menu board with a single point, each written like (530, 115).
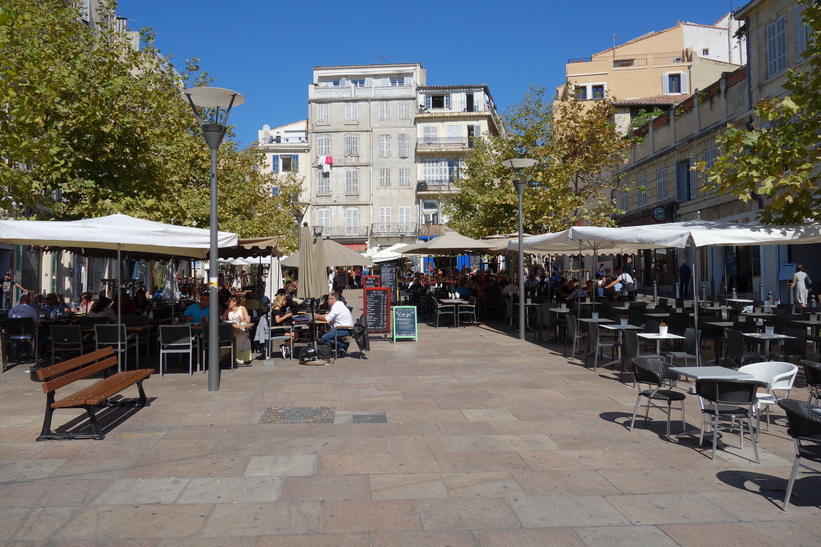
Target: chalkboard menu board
(388, 275)
(341, 279)
(377, 305)
(370, 281)
(404, 322)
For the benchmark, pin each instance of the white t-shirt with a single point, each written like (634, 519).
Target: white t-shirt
(339, 316)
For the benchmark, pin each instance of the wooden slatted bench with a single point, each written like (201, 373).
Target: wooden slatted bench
(91, 397)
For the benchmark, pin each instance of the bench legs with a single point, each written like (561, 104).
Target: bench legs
(47, 434)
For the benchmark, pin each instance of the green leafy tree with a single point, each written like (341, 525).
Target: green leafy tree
(91, 126)
(779, 157)
(577, 145)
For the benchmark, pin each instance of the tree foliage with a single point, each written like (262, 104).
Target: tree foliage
(91, 126)
(576, 144)
(779, 156)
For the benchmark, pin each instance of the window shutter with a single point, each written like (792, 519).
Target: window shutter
(427, 102)
(665, 83)
(294, 163)
(684, 88)
(368, 82)
(275, 163)
(447, 102)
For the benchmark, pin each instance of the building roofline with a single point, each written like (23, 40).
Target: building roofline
(319, 67)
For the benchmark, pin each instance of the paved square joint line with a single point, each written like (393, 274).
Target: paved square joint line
(298, 415)
(378, 418)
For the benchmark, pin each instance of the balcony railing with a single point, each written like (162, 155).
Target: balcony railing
(343, 232)
(431, 230)
(399, 229)
(436, 144)
(436, 185)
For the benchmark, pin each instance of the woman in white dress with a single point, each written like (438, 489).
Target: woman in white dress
(236, 313)
(799, 284)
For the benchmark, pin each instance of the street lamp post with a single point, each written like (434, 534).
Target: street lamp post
(215, 105)
(300, 208)
(517, 164)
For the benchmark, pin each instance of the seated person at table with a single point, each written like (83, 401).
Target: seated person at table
(23, 308)
(283, 317)
(253, 304)
(566, 291)
(55, 307)
(86, 303)
(102, 308)
(340, 320)
(510, 288)
(463, 292)
(125, 306)
(198, 311)
(142, 305)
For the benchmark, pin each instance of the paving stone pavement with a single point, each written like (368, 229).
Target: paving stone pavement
(467, 437)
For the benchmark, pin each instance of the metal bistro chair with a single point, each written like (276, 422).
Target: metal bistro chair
(445, 309)
(116, 337)
(65, 339)
(733, 399)
(574, 337)
(176, 339)
(691, 349)
(652, 372)
(20, 330)
(225, 340)
(804, 422)
(598, 344)
(468, 310)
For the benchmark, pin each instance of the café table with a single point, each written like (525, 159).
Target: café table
(658, 337)
(739, 300)
(619, 328)
(767, 339)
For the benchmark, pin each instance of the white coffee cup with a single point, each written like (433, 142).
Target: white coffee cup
(595, 315)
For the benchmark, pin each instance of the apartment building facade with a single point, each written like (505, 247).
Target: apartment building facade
(662, 187)
(286, 149)
(657, 69)
(385, 150)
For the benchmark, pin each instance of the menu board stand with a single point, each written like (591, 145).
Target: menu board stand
(404, 323)
(377, 308)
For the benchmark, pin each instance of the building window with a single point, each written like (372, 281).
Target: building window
(352, 145)
(323, 112)
(397, 81)
(674, 82)
(624, 201)
(581, 92)
(284, 163)
(323, 145)
(323, 186)
(641, 187)
(436, 171)
(437, 101)
(597, 91)
(404, 218)
(775, 34)
(454, 166)
(404, 177)
(274, 191)
(352, 182)
(384, 110)
(802, 32)
(404, 145)
(384, 177)
(323, 218)
(351, 112)
(384, 217)
(705, 52)
(384, 146)
(358, 83)
(429, 133)
(404, 110)
(661, 184)
(352, 222)
(709, 158)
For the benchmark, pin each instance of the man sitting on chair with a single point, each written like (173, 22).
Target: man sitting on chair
(340, 320)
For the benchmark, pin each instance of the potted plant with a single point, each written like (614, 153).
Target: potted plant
(663, 329)
(623, 320)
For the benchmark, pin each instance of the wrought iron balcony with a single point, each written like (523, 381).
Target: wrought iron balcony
(399, 229)
(443, 144)
(436, 186)
(345, 232)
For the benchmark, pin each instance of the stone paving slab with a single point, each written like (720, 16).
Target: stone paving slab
(486, 441)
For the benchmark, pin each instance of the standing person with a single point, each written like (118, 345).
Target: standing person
(238, 314)
(340, 320)
(684, 274)
(801, 283)
(627, 267)
(627, 282)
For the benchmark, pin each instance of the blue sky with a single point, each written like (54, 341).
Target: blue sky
(266, 50)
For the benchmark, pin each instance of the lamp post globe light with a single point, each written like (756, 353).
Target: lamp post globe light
(517, 164)
(212, 106)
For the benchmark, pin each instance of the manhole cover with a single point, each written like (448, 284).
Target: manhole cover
(370, 418)
(304, 415)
